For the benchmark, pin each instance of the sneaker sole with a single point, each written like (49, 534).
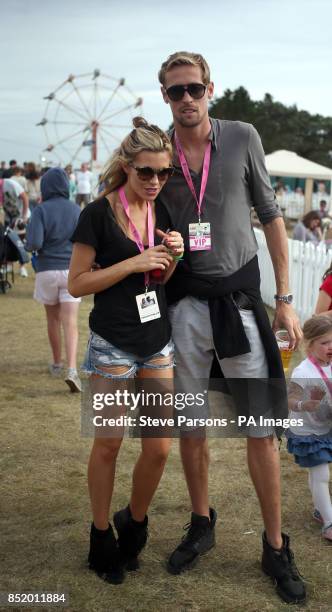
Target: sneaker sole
(72, 386)
(284, 596)
(176, 571)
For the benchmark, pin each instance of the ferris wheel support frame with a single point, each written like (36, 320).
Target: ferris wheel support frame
(96, 122)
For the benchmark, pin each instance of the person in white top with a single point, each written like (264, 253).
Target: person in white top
(19, 177)
(84, 189)
(310, 404)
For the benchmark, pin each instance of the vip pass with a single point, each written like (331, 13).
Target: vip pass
(199, 233)
(147, 303)
(199, 236)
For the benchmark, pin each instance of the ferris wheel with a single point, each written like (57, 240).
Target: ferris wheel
(87, 116)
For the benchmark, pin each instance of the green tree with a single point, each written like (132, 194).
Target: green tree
(280, 126)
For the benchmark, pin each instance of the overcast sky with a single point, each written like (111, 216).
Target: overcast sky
(283, 47)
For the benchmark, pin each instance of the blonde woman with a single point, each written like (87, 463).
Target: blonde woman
(130, 332)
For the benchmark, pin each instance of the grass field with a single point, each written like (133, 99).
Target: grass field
(45, 513)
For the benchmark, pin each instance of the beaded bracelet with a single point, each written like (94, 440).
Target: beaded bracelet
(177, 258)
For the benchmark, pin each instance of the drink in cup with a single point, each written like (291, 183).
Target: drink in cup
(157, 275)
(283, 341)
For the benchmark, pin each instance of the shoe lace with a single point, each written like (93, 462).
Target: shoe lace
(287, 558)
(193, 530)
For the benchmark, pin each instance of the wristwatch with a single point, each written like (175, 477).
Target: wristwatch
(287, 299)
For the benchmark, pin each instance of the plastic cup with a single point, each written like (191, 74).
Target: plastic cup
(283, 341)
(157, 275)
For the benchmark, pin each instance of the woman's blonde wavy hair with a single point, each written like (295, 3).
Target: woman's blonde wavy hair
(144, 137)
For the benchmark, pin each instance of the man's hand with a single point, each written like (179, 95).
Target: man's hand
(286, 318)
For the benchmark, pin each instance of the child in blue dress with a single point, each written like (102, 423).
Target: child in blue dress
(310, 402)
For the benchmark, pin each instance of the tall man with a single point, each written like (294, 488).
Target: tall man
(219, 174)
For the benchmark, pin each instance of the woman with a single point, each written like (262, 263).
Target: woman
(130, 333)
(49, 231)
(308, 230)
(33, 185)
(324, 302)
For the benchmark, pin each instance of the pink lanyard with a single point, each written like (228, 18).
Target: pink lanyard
(327, 381)
(136, 233)
(187, 175)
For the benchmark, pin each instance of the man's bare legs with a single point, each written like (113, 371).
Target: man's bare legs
(264, 468)
(195, 459)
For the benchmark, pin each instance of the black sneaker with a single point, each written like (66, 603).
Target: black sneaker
(104, 555)
(280, 566)
(199, 539)
(132, 537)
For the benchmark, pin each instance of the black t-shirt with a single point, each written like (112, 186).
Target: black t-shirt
(115, 315)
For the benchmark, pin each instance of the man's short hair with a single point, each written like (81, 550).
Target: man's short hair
(185, 58)
(322, 203)
(13, 162)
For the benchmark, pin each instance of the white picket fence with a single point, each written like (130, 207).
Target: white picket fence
(307, 265)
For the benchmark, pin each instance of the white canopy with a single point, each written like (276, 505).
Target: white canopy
(288, 163)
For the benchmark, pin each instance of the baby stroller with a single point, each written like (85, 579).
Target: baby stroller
(11, 249)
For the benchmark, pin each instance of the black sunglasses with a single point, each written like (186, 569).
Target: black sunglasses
(146, 173)
(195, 90)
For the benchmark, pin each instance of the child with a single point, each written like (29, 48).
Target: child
(310, 399)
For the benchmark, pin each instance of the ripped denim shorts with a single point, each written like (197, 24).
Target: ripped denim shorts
(101, 353)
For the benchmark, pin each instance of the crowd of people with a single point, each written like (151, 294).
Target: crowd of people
(168, 252)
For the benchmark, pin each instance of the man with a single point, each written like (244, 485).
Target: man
(219, 174)
(7, 173)
(15, 201)
(2, 168)
(84, 189)
(323, 212)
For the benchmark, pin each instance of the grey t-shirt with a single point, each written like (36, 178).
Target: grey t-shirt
(237, 180)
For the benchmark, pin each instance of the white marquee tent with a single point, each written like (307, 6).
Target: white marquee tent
(288, 163)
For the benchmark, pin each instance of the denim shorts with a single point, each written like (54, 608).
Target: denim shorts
(101, 353)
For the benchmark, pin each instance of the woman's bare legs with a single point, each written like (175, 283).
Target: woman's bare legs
(68, 318)
(102, 462)
(151, 462)
(54, 330)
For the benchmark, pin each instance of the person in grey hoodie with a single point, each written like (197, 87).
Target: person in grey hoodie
(49, 231)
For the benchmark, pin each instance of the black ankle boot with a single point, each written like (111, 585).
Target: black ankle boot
(104, 555)
(132, 537)
(200, 539)
(280, 565)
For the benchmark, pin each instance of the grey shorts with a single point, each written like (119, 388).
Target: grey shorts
(194, 353)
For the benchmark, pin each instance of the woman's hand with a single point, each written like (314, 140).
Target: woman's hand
(316, 393)
(151, 259)
(173, 241)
